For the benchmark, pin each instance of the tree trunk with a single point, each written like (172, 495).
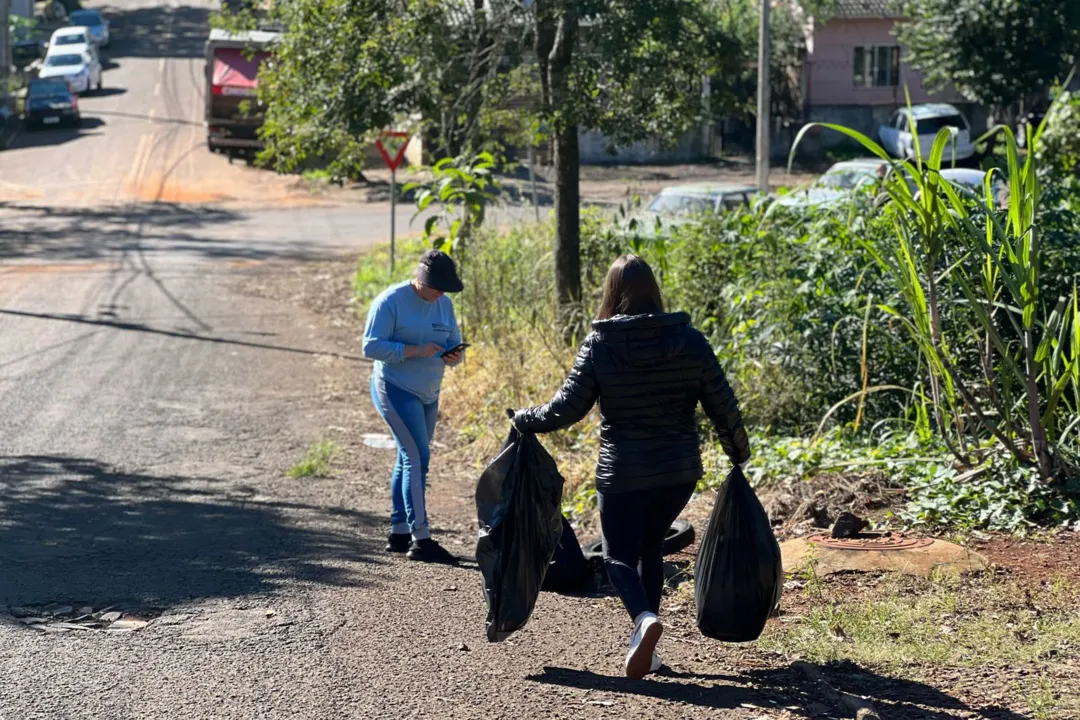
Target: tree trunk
(567, 222)
(544, 42)
(567, 176)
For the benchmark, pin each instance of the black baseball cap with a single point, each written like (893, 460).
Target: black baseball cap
(437, 271)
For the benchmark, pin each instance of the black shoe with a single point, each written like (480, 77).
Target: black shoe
(398, 542)
(427, 550)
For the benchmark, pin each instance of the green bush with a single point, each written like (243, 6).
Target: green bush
(786, 302)
(808, 322)
(1058, 149)
(373, 273)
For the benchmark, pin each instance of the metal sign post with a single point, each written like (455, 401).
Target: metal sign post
(393, 215)
(532, 181)
(393, 163)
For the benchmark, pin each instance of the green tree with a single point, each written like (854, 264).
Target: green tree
(994, 52)
(347, 69)
(631, 69)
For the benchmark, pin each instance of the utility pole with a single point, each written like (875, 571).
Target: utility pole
(764, 113)
(5, 49)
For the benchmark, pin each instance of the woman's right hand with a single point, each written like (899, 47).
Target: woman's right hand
(423, 351)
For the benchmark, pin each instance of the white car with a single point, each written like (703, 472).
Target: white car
(838, 183)
(972, 184)
(81, 70)
(67, 39)
(899, 140)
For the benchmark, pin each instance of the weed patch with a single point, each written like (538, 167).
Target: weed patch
(900, 624)
(317, 461)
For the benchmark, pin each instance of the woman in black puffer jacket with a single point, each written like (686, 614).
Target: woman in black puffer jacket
(649, 370)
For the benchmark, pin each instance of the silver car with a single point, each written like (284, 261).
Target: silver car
(839, 183)
(687, 204)
(97, 25)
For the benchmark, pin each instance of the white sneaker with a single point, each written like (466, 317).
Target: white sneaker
(657, 663)
(647, 632)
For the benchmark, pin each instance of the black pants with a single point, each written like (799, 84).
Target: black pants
(634, 525)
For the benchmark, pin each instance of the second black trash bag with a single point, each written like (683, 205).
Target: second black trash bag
(738, 576)
(568, 571)
(518, 509)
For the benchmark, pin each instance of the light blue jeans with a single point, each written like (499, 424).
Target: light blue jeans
(412, 423)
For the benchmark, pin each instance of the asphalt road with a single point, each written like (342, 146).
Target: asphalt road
(149, 411)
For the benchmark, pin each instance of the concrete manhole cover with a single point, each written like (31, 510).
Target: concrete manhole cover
(872, 552)
(870, 541)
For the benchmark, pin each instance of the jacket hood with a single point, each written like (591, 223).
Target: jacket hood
(644, 340)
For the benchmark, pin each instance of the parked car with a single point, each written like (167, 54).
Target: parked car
(50, 101)
(898, 139)
(81, 70)
(69, 39)
(837, 184)
(98, 26)
(972, 183)
(694, 200)
(679, 204)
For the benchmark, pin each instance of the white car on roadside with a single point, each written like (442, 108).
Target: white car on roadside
(898, 135)
(839, 183)
(971, 184)
(81, 70)
(68, 39)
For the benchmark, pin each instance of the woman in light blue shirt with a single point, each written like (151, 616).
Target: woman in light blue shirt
(410, 330)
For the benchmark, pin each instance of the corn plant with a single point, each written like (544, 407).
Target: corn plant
(1004, 368)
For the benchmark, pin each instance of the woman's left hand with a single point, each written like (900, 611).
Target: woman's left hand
(453, 358)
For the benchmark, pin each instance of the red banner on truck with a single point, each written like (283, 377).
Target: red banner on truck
(236, 71)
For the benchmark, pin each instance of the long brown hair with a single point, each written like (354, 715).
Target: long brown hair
(630, 289)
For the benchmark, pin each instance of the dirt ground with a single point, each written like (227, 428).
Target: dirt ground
(992, 690)
(600, 184)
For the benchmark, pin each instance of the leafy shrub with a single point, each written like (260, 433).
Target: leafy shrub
(1058, 149)
(373, 269)
(1009, 496)
(810, 325)
(786, 302)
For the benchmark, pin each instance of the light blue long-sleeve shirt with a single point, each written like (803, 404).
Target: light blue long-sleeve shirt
(400, 317)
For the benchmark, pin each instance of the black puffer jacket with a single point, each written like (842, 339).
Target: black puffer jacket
(649, 373)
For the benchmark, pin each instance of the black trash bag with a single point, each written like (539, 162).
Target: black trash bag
(518, 509)
(738, 576)
(568, 571)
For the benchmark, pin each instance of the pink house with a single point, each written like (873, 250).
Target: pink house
(854, 73)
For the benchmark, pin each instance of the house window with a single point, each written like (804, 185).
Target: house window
(876, 66)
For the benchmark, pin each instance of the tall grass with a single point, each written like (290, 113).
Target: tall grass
(1004, 369)
(509, 313)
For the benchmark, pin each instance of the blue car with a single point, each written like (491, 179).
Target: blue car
(92, 19)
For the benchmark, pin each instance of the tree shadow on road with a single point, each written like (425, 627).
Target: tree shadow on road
(73, 529)
(110, 322)
(52, 234)
(153, 31)
(894, 698)
(731, 694)
(51, 136)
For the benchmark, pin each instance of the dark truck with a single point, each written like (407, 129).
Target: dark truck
(233, 112)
